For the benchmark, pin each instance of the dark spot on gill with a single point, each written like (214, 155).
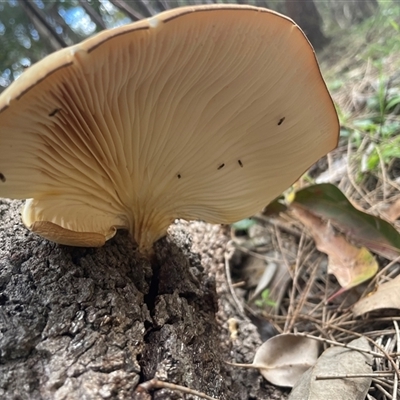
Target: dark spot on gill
(281, 120)
(179, 176)
(2, 177)
(240, 163)
(221, 166)
(54, 112)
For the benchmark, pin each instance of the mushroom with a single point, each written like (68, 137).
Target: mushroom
(205, 112)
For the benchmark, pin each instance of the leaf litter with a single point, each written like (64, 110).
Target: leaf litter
(303, 306)
(293, 248)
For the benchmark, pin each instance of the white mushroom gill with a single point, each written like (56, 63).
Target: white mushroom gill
(207, 114)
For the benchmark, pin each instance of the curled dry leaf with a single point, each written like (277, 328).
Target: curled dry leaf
(350, 265)
(386, 296)
(336, 361)
(284, 358)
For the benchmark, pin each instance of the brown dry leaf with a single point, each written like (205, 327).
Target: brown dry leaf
(337, 361)
(392, 212)
(386, 296)
(350, 265)
(284, 358)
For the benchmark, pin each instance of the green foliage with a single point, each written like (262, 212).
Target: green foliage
(24, 40)
(243, 225)
(382, 125)
(375, 129)
(265, 300)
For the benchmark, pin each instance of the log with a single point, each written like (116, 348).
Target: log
(94, 323)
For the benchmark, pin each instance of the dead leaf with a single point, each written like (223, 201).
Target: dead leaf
(284, 358)
(391, 211)
(350, 265)
(386, 296)
(337, 361)
(327, 201)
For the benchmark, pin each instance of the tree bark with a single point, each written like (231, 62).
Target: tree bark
(93, 323)
(306, 15)
(122, 5)
(352, 11)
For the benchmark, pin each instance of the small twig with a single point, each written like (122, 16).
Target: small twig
(351, 178)
(384, 174)
(249, 366)
(371, 375)
(333, 342)
(396, 378)
(157, 384)
(388, 356)
(303, 295)
(294, 276)
(276, 223)
(252, 253)
(281, 248)
(237, 302)
(386, 393)
(239, 284)
(383, 382)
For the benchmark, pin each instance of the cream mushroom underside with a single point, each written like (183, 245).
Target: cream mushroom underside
(197, 115)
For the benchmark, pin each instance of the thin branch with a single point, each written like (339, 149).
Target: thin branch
(352, 376)
(94, 15)
(347, 346)
(133, 14)
(146, 6)
(157, 384)
(237, 302)
(40, 21)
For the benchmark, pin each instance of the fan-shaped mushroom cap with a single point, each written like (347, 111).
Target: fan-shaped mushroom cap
(204, 112)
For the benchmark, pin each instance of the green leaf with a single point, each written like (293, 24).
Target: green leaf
(393, 102)
(244, 224)
(328, 202)
(373, 161)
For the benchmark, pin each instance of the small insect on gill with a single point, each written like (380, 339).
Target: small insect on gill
(54, 112)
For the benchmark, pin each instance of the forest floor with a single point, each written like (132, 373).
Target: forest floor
(284, 281)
